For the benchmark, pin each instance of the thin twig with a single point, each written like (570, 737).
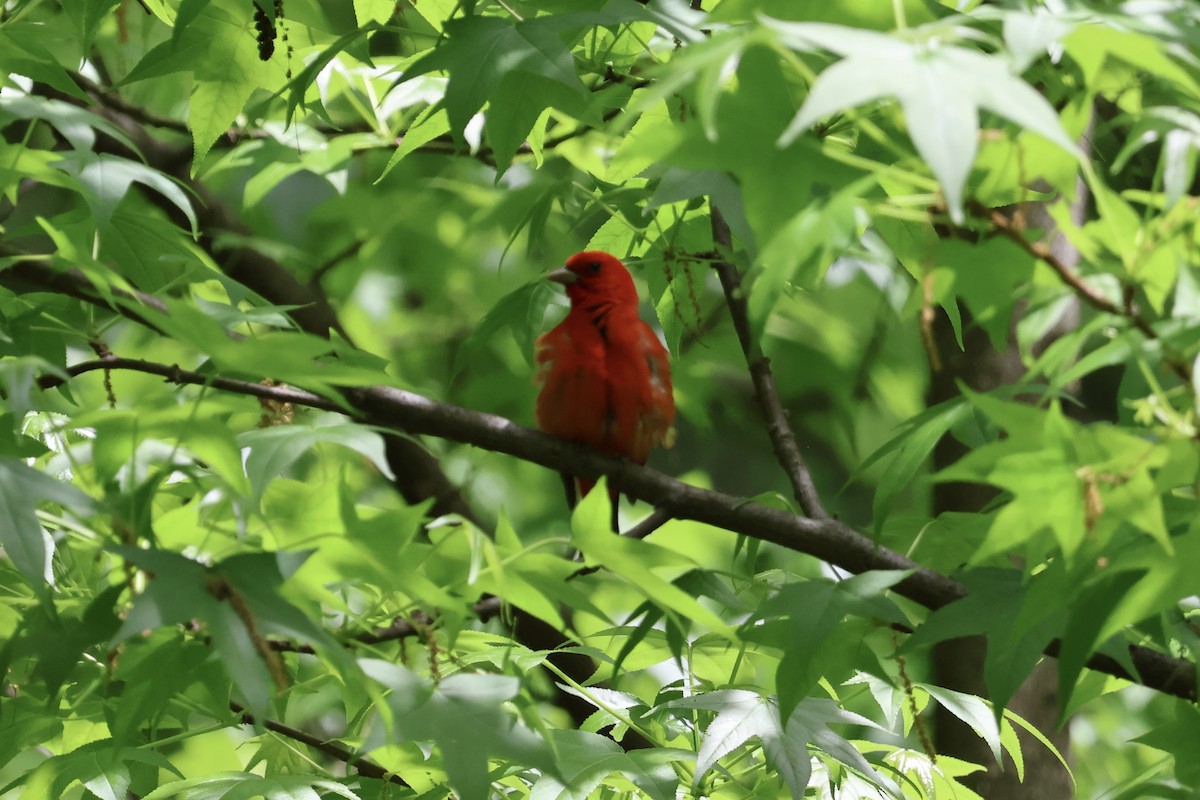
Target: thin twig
(28, 272)
(441, 145)
(782, 439)
(323, 269)
(113, 101)
(825, 538)
(361, 764)
(400, 628)
(655, 520)
(1006, 227)
(418, 475)
(175, 374)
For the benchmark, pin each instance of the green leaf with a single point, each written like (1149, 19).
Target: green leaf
(111, 781)
(1180, 738)
(1178, 131)
(213, 42)
(803, 249)
(515, 105)
(177, 593)
(25, 541)
(378, 11)
(540, 583)
(940, 87)
(437, 12)
(214, 106)
(213, 786)
(912, 446)
(88, 15)
(77, 125)
(465, 716)
(649, 139)
(274, 450)
(183, 590)
(634, 560)
(586, 759)
(19, 379)
(811, 720)
(1018, 721)
(119, 434)
(480, 51)
(240, 656)
(107, 179)
(308, 76)
(1100, 48)
(58, 642)
(22, 53)
(1089, 613)
(149, 255)
(815, 610)
(428, 127)
(1030, 34)
(1121, 229)
(154, 671)
(742, 715)
(102, 768)
(970, 709)
(986, 277)
(1042, 471)
(1019, 619)
(710, 64)
(1165, 579)
(520, 313)
(889, 699)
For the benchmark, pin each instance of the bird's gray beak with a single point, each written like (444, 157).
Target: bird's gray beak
(563, 276)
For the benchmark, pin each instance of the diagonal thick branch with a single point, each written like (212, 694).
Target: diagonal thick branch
(421, 476)
(394, 410)
(825, 538)
(778, 428)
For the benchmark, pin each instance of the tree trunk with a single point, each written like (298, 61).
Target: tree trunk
(958, 663)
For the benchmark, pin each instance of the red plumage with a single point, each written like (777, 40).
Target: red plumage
(604, 376)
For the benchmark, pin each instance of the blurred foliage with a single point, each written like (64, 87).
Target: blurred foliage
(202, 592)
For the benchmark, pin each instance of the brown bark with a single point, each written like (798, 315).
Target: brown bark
(958, 663)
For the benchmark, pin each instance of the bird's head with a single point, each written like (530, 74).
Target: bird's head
(594, 276)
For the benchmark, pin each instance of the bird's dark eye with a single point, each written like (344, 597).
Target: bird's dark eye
(594, 267)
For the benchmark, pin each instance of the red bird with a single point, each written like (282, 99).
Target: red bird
(604, 376)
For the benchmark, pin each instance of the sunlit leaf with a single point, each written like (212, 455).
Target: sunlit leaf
(940, 88)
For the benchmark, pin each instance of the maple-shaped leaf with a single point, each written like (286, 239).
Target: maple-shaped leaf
(1019, 618)
(941, 88)
(812, 611)
(587, 759)
(465, 716)
(479, 52)
(742, 715)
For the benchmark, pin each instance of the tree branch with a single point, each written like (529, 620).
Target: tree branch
(361, 764)
(824, 538)
(111, 100)
(1006, 227)
(419, 475)
(400, 628)
(656, 519)
(787, 452)
(27, 273)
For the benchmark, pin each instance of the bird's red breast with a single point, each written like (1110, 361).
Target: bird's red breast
(604, 376)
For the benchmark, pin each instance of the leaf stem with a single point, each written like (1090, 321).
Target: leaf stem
(624, 719)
